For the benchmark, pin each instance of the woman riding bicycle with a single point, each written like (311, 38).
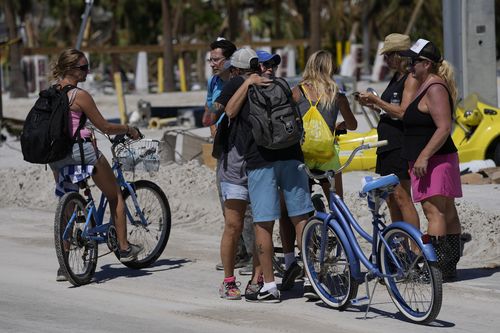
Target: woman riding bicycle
(71, 68)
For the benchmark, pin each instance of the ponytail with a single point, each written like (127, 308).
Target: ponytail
(446, 72)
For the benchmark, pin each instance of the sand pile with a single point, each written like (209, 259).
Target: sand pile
(192, 194)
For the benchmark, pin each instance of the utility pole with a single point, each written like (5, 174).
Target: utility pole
(469, 44)
(85, 18)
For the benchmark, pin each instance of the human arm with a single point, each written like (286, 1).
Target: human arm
(410, 87)
(350, 122)
(86, 104)
(438, 106)
(234, 105)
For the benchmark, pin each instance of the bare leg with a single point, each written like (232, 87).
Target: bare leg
(401, 206)
(234, 212)
(287, 232)
(452, 221)
(434, 210)
(106, 181)
(299, 222)
(264, 248)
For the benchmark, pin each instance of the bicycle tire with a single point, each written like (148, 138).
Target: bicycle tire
(418, 292)
(333, 282)
(77, 256)
(153, 238)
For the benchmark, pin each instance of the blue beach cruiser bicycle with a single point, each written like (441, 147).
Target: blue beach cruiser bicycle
(401, 258)
(80, 226)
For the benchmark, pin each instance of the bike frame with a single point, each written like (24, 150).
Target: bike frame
(99, 233)
(343, 222)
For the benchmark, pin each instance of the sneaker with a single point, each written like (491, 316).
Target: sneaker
(253, 289)
(130, 254)
(309, 291)
(60, 277)
(230, 290)
(247, 270)
(269, 296)
(292, 273)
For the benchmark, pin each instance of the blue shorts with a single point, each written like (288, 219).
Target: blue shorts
(231, 191)
(265, 183)
(90, 153)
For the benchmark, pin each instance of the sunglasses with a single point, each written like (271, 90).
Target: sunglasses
(84, 68)
(270, 64)
(414, 61)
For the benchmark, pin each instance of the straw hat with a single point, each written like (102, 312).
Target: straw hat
(395, 42)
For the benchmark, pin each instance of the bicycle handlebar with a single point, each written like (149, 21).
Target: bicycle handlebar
(330, 173)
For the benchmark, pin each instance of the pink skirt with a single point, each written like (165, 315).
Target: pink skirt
(442, 178)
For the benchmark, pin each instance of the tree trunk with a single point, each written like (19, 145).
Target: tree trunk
(17, 86)
(314, 21)
(233, 20)
(168, 47)
(277, 19)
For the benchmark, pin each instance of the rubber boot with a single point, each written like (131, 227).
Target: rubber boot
(454, 249)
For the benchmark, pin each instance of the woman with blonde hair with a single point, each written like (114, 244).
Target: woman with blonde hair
(318, 88)
(432, 155)
(394, 101)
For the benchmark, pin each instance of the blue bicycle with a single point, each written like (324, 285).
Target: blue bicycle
(401, 256)
(79, 225)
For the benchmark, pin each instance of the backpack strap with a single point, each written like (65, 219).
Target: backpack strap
(77, 138)
(303, 88)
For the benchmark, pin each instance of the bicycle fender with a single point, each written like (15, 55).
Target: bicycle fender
(428, 249)
(353, 260)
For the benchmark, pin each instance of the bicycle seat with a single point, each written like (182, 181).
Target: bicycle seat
(369, 183)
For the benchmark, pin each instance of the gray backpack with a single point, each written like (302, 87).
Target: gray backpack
(274, 116)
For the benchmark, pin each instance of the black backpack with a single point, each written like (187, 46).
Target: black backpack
(274, 116)
(45, 137)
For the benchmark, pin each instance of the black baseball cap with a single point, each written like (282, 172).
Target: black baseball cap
(425, 49)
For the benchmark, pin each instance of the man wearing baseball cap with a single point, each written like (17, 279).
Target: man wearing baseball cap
(268, 63)
(230, 142)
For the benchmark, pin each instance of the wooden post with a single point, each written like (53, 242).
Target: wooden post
(121, 98)
(160, 76)
(182, 74)
(339, 53)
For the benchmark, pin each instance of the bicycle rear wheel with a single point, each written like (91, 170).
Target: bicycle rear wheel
(153, 236)
(418, 291)
(76, 254)
(331, 279)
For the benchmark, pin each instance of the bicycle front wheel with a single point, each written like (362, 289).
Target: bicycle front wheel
(77, 255)
(331, 278)
(152, 236)
(417, 291)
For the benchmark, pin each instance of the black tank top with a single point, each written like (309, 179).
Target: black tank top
(419, 128)
(391, 129)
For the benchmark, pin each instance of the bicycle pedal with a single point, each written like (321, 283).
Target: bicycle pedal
(360, 301)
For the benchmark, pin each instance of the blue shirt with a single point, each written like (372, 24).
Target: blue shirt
(214, 88)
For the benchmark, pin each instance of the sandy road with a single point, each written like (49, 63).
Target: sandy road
(179, 293)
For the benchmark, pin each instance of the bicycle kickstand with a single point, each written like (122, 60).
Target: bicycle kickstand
(368, 297)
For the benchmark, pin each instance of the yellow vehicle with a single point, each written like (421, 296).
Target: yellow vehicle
(476, 134)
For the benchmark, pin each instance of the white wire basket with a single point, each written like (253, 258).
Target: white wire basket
(140, 155)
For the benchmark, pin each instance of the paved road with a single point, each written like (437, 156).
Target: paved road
(179, 293)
